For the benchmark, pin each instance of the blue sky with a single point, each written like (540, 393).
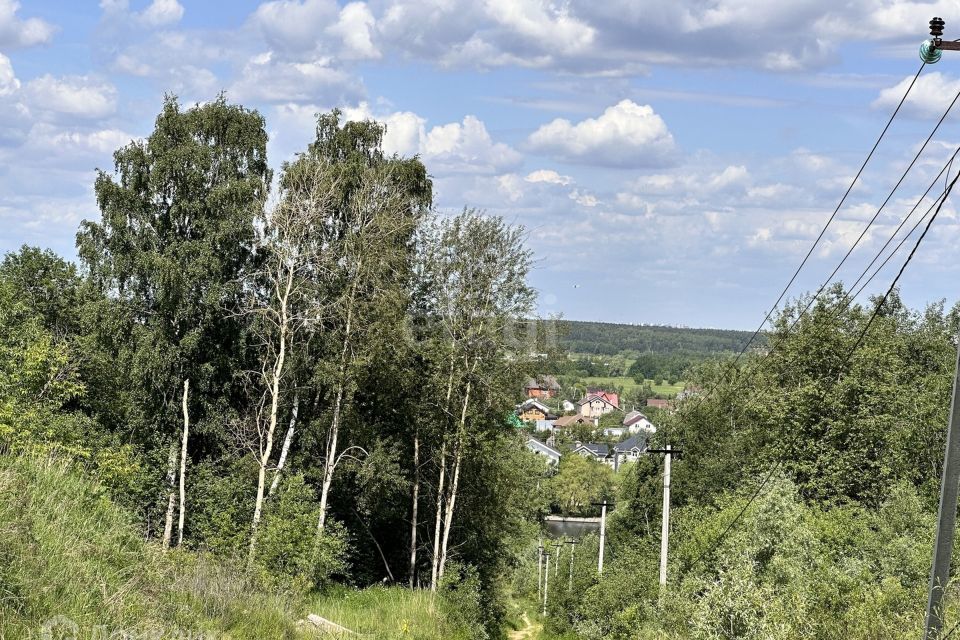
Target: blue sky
(672, 161)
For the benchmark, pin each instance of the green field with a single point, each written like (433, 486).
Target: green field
(629, 384)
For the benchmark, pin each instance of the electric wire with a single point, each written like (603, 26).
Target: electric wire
(777, 463)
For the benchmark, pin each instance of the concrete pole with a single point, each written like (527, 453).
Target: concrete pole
(573, 548)
(539, 571)
(946, 517)
(546, 583)
(603, 533)
(556, 566)
(665, 525)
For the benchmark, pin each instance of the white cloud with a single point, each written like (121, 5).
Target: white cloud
(930, 96)
(82, 96)
(550, 26)
(8, 79)
(467, 146)
(161, 13)
(15, 32)
(583, 198)
(548, 176)
(294, 25)
(625, 135)
(355, 27)
(266, 77)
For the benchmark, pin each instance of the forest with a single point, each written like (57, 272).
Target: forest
(257, 397)
(289, 381)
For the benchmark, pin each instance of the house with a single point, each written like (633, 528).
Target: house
(568, 406)
(565, 422)
(635, 422)
(543, 387)
(658, 403)
(595, 405)
(632, 448)
(600, 452)
(689, 392)
(543, 425)
(545, 450)
(532, 410)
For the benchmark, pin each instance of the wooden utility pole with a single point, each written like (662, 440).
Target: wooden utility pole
(946, 517)
(930, 52)
(668, 453)
(603, 531)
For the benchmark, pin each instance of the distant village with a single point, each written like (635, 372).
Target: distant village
(595, 426)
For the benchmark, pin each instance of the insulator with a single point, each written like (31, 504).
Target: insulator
(929, 53)
(936, 27)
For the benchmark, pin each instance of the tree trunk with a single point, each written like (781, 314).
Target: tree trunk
(416, 497)
(286, 444)
(171, 494)
(330, 464)
(267, 448)
(435, 561)
(455, 480)
(183, 461)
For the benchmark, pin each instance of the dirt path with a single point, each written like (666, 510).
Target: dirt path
(530, 631)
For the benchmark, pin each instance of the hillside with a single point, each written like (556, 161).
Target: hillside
(604, 338)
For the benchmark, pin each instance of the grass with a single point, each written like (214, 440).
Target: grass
(629, 384)
(388, 612)
(68, 553)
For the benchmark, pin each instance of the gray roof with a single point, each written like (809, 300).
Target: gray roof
(545, 449)
(597, 448)
(638, 441)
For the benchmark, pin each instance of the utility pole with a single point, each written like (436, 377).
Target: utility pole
(603, 531)
(540, 570)
(546, 583)
(946, 517)
(556, 566)
(930, 52)
(573, 546)
(668, 453)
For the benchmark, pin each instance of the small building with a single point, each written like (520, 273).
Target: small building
(543, 425)
(636, 422)
(565, 422)
(632, 448)
(568, 406)
(552, 455)
(532, 410)
(543, 387)
(597, 404)
(659, 403)
(600, 452)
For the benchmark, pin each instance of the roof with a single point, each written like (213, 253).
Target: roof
(533, 403)
(658, 403)
(598, 449)
(566, 421)
(633, 418)
(606, 396)
(638, 441)
(542, 382)
(534, 444)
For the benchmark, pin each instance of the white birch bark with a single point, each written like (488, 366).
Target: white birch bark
(287, 440)
(183, 461)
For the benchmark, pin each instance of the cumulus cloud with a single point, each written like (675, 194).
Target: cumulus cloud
(267, 78)
(930, 96)
(625, 135)
(82, 96)
(16, 32)
(8, 79)
(294, 24)
(161, 13)
(549, 176)
(355, 27)
(467, 146)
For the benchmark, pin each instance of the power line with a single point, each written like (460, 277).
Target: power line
(832, 215)
(776, 465)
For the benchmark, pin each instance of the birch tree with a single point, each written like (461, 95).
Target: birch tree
(174, 241)
(474, 288)
(284, 303)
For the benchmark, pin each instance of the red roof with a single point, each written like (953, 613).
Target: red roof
(607, 396)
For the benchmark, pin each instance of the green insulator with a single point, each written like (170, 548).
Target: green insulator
(929, 53)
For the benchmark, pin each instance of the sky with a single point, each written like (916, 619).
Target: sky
(671, 161)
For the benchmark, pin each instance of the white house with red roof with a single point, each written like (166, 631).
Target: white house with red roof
(598, 403)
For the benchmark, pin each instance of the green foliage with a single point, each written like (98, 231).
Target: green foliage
(610, 339)
(578, 483)
(68, 551)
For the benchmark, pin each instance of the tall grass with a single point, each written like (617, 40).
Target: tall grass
(68, 553)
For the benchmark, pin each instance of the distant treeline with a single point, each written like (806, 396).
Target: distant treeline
(603, 338)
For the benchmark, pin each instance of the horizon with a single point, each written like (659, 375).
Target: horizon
(662, 185)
